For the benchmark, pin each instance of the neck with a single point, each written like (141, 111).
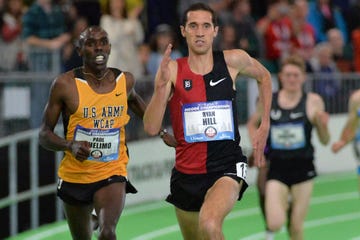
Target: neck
(99, 76)
(292, 95)
(201, 63)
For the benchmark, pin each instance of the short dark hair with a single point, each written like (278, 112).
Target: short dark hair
(85, 34)
(294, 60)
(198, 7)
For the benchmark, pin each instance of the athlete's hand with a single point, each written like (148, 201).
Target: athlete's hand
(168, 139)
(338, 145)
(163, 75)
(80, 150)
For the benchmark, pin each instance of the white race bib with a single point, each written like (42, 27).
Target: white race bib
(287, 136)
(104, 143)
(208, 121)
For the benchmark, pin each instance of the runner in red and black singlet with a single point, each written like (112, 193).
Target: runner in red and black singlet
(210, 170)
(209, 154)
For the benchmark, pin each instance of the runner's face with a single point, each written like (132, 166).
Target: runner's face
(95, 49)
(291, 78)
(199, 31)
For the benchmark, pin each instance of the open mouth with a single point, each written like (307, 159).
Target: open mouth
(100, 59)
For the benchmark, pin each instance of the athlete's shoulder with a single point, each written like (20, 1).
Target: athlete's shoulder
(65, 78)
(237, 58)
(355, 96)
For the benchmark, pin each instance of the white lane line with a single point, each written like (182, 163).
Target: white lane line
(158, 233)
(131, 211)
(49, 233)
(313, 224)
(250, 212)
(159, 205)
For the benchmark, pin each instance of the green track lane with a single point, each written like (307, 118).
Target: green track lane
(334, 214)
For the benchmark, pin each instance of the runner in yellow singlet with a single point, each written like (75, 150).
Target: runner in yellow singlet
(93, 101)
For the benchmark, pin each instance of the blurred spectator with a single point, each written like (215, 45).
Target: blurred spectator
(303, 33)
(71, 56)
(158, 12)
(10, 43)
(323, 15)
(163, 35)
(355, 39)
(326, 79)
(144, 56)
(239, 16)
(275, 31)
(342, 52)
(227, 38)
(125, 34)
(258, 8)
(130, 4)
(44, 30)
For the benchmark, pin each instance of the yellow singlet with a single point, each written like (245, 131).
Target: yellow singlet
(100, 119)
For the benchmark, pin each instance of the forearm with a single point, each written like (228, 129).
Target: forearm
(53, 142)
(265, 98)
(38, 42)
(323, 133)
(347, 135)
(155, 111)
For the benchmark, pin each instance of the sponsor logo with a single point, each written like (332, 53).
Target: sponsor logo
(59, 183)
(118, 94)
(96, 154)
(187, 83)
(210, 132)
(296, 115)
(212, 84)
(311, 173)
(275, 114)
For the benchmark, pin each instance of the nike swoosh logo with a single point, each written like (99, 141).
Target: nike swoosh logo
(296, 115)
(216, 82)
(118, 94)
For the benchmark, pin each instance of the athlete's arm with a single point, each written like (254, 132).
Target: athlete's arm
(59, 94)
(135, 101)
(164, 79)
(239, 62)
(349, 130)
(252, 126)
(319, 118)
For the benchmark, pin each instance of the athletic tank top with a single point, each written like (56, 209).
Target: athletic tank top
(99, 119)
(290, 132)
(204, 119)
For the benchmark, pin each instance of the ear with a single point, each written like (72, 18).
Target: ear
(216, 30)
(182, 30)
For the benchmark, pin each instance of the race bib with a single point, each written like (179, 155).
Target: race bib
(287, 136)
(241, 170)
(208, 121)
(104, 143)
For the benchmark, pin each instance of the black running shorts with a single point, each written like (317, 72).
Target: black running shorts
(187, 191)
(79, 193)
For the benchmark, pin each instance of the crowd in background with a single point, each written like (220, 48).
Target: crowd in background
(325, 33)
